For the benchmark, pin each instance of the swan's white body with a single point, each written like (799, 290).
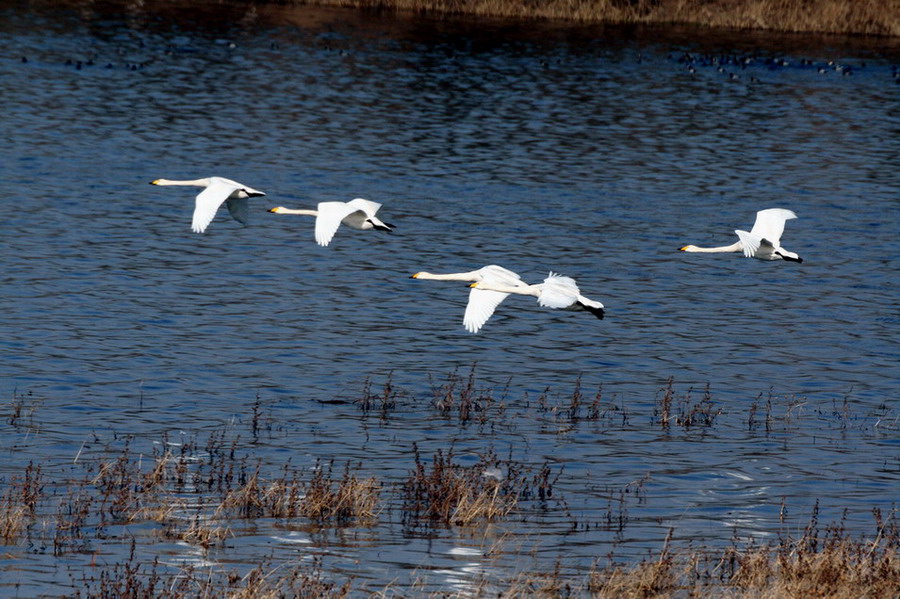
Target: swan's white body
(762, 242)
(218, 190)
(556, 291)
(482, 302)
(356, 214)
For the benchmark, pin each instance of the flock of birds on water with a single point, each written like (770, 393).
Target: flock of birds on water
(490, 284)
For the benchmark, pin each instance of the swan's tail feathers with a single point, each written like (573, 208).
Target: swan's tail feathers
(595, 310)
(790, 258)
(380, 226)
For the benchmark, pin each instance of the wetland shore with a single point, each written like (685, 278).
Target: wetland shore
(864, 17)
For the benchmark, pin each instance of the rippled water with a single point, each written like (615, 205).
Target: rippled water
(594, 152)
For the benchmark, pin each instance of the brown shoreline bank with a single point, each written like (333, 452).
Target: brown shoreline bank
(855, 17)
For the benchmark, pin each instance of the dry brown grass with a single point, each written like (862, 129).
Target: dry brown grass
(453, 494)
(684, 411)
(322, 498)
(18, 505)
(838, 568)
(817, 565)
(869, 17)
(206, 535)
(133, 580)
(223, 486)
(350, 498)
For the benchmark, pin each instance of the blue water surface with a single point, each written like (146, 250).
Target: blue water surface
(595, 152)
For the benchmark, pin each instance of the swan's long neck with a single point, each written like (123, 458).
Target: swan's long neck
(453, 276)
(299, 211)
(194, 183)
(734, 247)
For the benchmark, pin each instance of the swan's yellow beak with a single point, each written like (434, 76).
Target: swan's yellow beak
(415, 276)
(277, 209)
(154, 182)
(473, 285)
(683, 248)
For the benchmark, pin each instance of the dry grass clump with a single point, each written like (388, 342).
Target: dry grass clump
(350, 498)
(385, 401)
(21, 411)
(817, 565)
(569, 411)
(650, 578)
(461, 397)
(299, 583)
(453, 494)
(203, 534)
(322, 498)
(683, 411)
(829, 565)
(870, 17)
(18, 505)
(132, 580)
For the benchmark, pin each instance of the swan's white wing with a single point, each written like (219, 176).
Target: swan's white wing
(239, 209)
(558, 292)
(367, 206)
(329, 219)
(481, 306)
(770, 224)
(208, 202)
(497, 275)
(750, 242)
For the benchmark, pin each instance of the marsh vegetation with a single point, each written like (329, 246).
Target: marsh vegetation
(208, 491)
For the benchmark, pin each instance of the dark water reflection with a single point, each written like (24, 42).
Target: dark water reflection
(595, 152)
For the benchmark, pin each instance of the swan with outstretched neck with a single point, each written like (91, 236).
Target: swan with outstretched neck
(763, 242)
(218, 190)
(357, 214)
(482, 303)
(556, 291)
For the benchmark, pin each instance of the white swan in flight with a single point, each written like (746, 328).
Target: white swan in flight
(356, 214)
(482, 303)
(556, 291)
(218, 190)
(763, 241)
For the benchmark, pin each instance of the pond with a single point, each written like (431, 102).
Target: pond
(720, 398)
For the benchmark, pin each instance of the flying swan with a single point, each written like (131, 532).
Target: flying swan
(482, 303)
(556, 291)
(218, 190)
(356, 214)
(763, 240)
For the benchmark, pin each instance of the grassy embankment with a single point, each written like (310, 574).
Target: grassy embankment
(868, 17)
